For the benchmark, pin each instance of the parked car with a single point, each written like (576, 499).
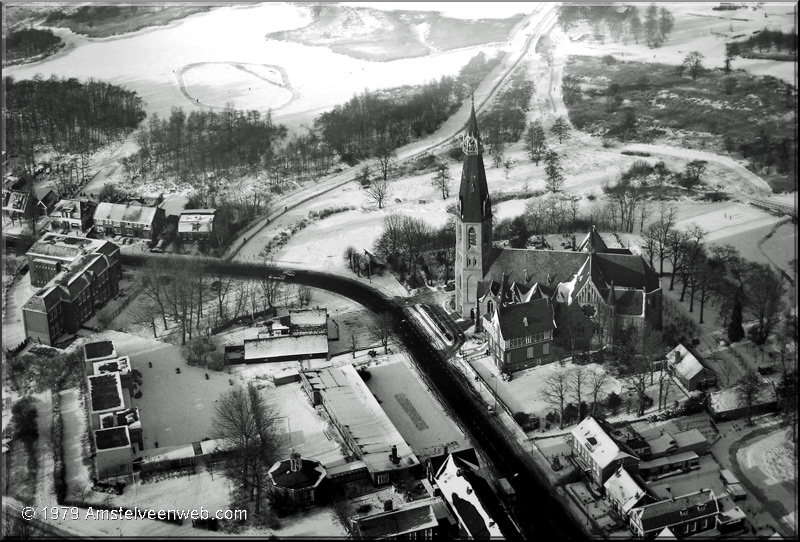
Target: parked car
(289, 273)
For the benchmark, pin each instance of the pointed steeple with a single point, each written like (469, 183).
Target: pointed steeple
(474, 192)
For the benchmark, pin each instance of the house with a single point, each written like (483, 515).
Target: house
(71, 216)
(688, 369)
(729, 405)
(298, 479)
(470, 499)
(598, 455)
(199, 225)
(684, 516)
(519, 334)
(76, 276)
(624, 492)
(614, 288)
(364, 426)
(656, 468)
(17, 204)
(414, 521)
(669, 444)
(128, 220)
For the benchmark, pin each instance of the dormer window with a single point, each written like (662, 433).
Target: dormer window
(684, 512)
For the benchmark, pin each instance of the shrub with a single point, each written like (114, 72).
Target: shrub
(635, 153)
(609, 60)
(522, 418)
(24, 416)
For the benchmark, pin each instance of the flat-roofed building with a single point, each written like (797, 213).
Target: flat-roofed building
(285, 348)
(72, 216)
(365, 427)
(198, 225)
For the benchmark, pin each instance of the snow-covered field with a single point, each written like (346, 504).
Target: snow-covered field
(150, 62)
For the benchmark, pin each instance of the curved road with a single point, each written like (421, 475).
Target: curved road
(540, 515)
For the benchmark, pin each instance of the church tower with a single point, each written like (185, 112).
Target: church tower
(474, 224)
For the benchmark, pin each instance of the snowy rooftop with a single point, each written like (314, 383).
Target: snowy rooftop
(308, 317)
(199, 220)
(98, 351)
(121, 212)
(602, 447)
(285, 345)
(64, 247)
(688, 365)
(728, 399)
(624, 489)
(356, 409)
(464, 502)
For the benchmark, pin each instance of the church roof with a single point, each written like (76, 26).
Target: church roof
(547, 267)
(593, 242)
(626, 271)
(474, 192)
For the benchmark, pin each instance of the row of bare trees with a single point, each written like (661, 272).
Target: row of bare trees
(194, 301)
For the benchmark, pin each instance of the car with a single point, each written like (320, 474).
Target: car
(157, 250)
(461, 336)
(289, 273)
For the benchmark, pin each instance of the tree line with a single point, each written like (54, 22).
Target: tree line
(623, 23)
(372, 122)
(30, 42)
(504, 121)
(764, 40)
(67, 114)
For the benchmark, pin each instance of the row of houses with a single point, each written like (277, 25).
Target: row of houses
(619, 465)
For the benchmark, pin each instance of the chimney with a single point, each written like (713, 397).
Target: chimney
(525, 274)
(445, 450)
(395, 459)
(295, 463)
(525, 321)
(388, 506)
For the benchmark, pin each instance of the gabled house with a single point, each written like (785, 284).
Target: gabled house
(72, 216)
(684, 516)
(598, 455)
(198, 225)
(625, 492)
(129, 220)
(688, 369)
(519, 333)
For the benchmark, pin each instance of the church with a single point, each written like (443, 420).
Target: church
(512, 293)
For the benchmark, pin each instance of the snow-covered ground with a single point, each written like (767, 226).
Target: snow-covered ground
(150, 62)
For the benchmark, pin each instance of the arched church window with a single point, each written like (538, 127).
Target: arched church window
(490, 308)
(473, 238)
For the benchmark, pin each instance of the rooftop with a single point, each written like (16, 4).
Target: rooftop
(296, 346)
(603, 449)
(310, 474)
(106, 392)
(415, 517)
(115, 437)
(624, 489)
(658, 515)
(346, 395)
(64, 247)
(118, 365)
(121, 212)
(688, 364)
(99, 350)
(308, 317)
(464, 502)
(196, 220)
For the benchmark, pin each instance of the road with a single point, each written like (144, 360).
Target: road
(550, 520)
(292, 208)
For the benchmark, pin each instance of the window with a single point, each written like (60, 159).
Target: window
(705, 523)
(383, 479)
(473, 238)
(546, 348)
(529, 352)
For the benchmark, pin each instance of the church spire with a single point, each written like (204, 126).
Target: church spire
(473, 194)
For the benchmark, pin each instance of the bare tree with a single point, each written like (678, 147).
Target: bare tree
(304, 295)
(694, 63)
(578, 377)
(560, 129)
(378, 191)
(556, 392)
(597, 380)
(765, 289)
(353, 340)
(386, 157)
(288, 294)
(442, 179)
(747, 390)
(381, 329)
(251, 433)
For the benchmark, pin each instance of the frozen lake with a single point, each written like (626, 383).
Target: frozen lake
(155, 62)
